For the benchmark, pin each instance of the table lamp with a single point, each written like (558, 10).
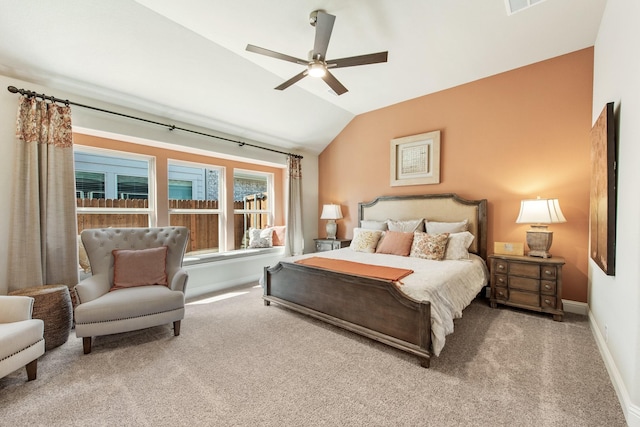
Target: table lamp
(540, 212)
(331, 212)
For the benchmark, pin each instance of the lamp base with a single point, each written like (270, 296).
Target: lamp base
(539, 241)
(332, 228)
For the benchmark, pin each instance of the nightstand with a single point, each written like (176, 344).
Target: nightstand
(331, 244)
(527, 282)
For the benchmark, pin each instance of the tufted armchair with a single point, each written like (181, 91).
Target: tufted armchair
(126, 292)
(21, 337)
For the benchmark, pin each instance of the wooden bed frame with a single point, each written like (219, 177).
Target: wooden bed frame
(370, 307)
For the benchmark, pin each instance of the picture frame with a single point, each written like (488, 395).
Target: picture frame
(415, 159)
(602, 200)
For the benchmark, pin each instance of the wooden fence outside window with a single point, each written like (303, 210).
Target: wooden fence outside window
(203, 227)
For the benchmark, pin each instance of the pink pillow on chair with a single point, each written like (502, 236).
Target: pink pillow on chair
(140, 267)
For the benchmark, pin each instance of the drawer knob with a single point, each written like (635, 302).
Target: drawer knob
(500, 293)
(501, 267)
(547, 272)
(547, 286)
(501, 280)
(547, 301)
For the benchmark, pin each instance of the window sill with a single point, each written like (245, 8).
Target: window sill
(225, 256)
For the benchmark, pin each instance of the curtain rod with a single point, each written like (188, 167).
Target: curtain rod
(32, 94)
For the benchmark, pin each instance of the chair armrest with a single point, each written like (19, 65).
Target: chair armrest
(92, 287)
(178, 280)
(15, 308)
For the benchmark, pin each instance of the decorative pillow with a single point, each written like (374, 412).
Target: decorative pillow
(373, 225)
(140, 267)
(365, 240)
(259, 238)
(429, 246)
(83, 258)
(395, 243)
(458, 245)
(434, 227)
(278, 235)
(406, 226)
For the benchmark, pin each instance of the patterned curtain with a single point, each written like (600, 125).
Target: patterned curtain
(294, 240)
(44, 227)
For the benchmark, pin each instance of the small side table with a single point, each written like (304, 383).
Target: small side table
(53, 305)
(331, 244)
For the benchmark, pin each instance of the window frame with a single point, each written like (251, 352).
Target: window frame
(152, 207)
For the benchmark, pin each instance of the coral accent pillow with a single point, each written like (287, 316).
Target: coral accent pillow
(140, 267)
(278, 235)
(395, 243)
(429, 246)
(365, 240)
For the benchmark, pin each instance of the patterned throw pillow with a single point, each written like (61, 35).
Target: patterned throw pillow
(365, 240)
(260, 238)
(429, 246)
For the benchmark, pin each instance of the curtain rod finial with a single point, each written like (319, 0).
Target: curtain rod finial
(12, 89)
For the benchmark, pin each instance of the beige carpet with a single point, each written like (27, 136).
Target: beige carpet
(239, 363)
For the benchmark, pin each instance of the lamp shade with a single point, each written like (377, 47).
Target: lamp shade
(540, 211)
(331, 212)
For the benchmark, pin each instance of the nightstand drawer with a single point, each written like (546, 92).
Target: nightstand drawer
(549, 272)
(547, 301)
(502, 294)
(548, 287)
(522, 269)
(524, 298)
(500, 279)
(500, 266)
(524, 284)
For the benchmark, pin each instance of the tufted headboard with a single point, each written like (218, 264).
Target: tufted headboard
(433, 207)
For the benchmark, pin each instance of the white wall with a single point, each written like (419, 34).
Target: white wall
(102, 122)
(615, 300)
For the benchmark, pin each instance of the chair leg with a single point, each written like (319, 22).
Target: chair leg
(86, 344)
(32, 370)
(176, 328)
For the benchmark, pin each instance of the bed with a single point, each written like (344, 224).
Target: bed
(382, 309)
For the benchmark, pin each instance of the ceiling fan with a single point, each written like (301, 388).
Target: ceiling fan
(318, 65)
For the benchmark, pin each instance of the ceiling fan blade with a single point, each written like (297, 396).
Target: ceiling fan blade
(372, 58)
(273, 54)
(292, 80)
(324, 27)
(334, 84)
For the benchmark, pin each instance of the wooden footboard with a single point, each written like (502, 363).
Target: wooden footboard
(369, 307)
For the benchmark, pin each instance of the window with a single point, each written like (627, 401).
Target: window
(112, 189)
(252, 203)
(195, 202)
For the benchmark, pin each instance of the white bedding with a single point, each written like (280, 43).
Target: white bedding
(450, 286)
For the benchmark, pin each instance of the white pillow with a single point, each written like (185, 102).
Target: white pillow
(365, 240)
(373, 225)
(458, 245)
(434, 227)
(408, 226)
(260, 238)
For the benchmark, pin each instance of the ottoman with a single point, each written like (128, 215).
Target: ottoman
(53, 305)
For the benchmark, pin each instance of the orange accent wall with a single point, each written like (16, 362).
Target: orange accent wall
(163, 156)
(516, 135)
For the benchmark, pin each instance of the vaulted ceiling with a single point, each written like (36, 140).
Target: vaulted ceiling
(186, 60)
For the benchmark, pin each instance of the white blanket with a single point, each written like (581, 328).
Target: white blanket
(450, 286)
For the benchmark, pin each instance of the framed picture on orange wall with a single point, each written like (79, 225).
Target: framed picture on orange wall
(415, 160)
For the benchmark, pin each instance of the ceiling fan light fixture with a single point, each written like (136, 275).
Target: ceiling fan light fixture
(317, 69)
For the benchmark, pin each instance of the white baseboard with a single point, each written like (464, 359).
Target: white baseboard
(575, 307)
(631, 411)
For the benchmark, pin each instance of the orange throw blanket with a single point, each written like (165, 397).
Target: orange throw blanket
(376, 271)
